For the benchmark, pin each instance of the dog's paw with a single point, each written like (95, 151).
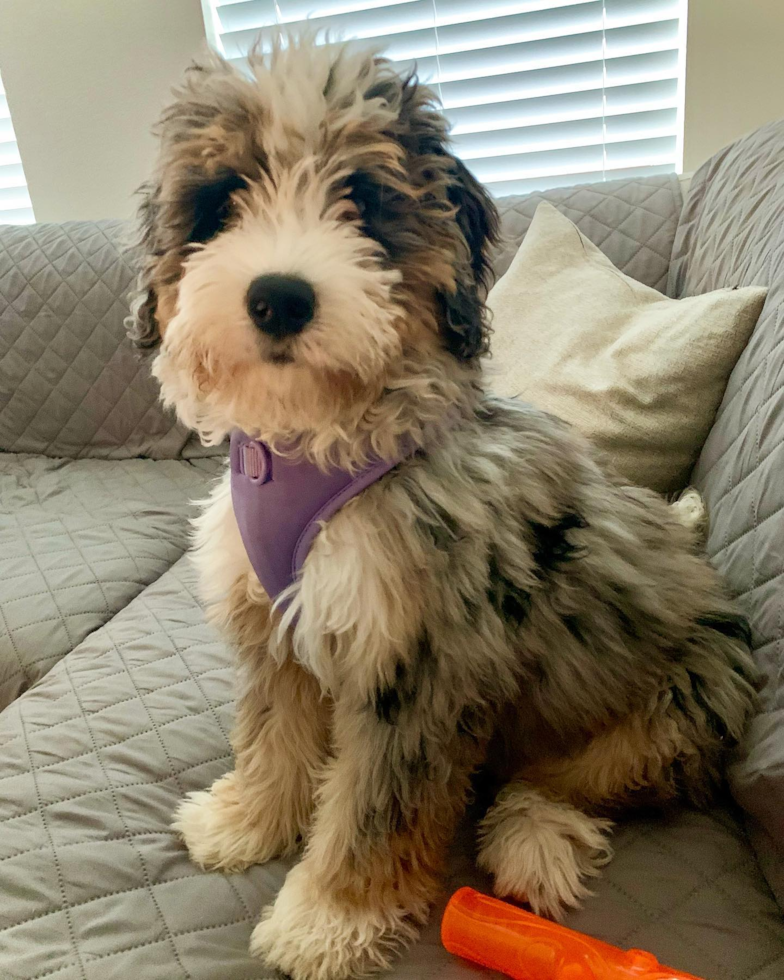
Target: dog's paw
(221, 831)
(541, 851)
(690, 510)
(310, 936)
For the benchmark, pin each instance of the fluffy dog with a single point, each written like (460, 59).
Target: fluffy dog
(496, 600)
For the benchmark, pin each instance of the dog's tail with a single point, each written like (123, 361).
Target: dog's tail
(691, 512)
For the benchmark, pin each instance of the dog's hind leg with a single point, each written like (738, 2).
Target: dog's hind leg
(546, 832)
(540, 850)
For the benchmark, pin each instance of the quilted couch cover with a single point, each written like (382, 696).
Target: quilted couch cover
(118, 697)
(732, 234)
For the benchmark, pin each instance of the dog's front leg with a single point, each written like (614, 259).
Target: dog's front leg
(385, 813)
(263, 808)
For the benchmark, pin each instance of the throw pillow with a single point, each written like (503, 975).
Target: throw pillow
(640, 374)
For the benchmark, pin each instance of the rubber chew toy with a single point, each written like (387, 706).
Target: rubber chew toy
(526, 947)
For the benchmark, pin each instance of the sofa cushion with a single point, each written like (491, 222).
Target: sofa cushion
(78, 540)
(639, 374)
(732, 234)
(72, 383)
(633, 221)
(95, 884)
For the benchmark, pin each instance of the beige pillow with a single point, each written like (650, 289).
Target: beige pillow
(641, 375)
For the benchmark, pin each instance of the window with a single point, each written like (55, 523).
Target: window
(15, 206)
(540, 93)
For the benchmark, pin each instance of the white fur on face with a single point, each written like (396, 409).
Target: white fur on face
(291, 86)
(217, 368)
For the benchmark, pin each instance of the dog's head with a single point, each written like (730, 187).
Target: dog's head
(306, 235)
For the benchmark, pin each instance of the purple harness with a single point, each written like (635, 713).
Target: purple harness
(280, 504)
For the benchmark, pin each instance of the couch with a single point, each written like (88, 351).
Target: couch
(116, 697)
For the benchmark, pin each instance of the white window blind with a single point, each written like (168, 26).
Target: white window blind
(540, 93)
(15, 206)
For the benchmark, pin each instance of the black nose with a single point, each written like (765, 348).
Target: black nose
(281, 305)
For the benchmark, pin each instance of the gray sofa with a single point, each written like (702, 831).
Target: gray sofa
(116, 697)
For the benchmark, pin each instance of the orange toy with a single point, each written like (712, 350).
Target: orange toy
(526, 947)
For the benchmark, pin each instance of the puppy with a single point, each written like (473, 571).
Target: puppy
(494, 600)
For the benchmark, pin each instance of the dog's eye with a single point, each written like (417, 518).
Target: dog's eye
(212, 206)
(365, 194)
(383, 212)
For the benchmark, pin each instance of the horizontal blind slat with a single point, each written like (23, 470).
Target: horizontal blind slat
(527, 186)
(386, 21)
(543, 164)
(525, 112)
(620, 12)
(9, 153)
(559, 54)
(6, 131)
(243, 14)
(592, 130)
(538, 82)
(255, 14)
(658, 150)
(543, 52)
(389, 18)
(17, 216)
(622, 127)
(559, 108)
(526, 139)
(11, 175)
(539, 25)
(14, 198)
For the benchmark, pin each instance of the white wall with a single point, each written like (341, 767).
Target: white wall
(734, 72)
(85, 80)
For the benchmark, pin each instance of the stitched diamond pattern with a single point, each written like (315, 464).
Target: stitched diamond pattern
(632, 221)
(732, 233)
(95, 884)
(71, 383)
(78, 540)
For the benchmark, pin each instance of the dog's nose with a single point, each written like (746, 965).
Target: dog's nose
(281, 305)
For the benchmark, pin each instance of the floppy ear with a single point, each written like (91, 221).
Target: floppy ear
(142, 324)
(465, 327)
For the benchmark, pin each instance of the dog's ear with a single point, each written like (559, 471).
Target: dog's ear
(421, 129)
(142, 324)
(465, 327)
(477, 217)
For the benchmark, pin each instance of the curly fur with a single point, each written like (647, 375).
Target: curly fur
(497, 600)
